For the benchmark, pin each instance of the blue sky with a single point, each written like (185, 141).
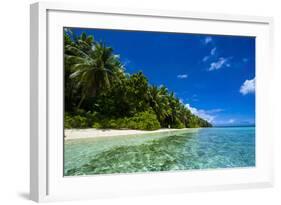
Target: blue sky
(214, 76)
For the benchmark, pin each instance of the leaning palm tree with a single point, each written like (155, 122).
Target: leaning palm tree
(93, 70)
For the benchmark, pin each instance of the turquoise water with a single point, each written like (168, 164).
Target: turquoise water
(206, 148)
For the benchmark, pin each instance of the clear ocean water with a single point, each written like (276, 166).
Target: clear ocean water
(205, 148)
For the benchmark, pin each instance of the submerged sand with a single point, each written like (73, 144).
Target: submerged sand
(96, 133)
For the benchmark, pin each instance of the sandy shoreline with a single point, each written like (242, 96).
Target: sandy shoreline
(96, 133)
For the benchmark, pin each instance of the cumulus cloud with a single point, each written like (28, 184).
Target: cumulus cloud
(215, 110)
(221, 62)
(208, 39)
(182, 76)
(213, 51)
(231, 121)
(116, 56)
(205, 58)
(205, 114)
(248, 86)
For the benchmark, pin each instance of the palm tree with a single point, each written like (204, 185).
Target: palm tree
(174, 105)
(93, 69)
(159, 102)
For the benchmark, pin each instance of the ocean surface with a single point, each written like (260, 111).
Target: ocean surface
(204, 148)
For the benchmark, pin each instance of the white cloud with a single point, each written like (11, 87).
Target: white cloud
(205, 114)
(248, 86)
(231, 121)
(117, 56)
(219, 64)
(213, 51)
(208, 39)
(182, 76)
(205, 58)
(215, 110)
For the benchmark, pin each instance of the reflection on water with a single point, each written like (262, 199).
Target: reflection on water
(200, 149)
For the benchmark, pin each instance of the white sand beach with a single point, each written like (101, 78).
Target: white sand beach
(96, 133)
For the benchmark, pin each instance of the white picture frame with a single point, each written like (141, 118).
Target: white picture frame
(46, 177)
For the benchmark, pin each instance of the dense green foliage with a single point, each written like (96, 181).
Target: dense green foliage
(140, 121)
(99, 94)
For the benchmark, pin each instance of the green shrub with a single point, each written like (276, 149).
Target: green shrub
(79, 122)
(112, 124)
(97, 125)
(122, 122)
(76, 121)
(144, 121)
(141, 121)
(67, 121)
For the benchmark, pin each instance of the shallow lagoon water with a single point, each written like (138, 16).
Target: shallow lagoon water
(205, 148)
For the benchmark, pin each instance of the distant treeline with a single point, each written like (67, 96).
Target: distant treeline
(99, 94)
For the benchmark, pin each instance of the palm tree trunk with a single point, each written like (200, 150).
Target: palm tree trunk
(94, 92)
(80, 102)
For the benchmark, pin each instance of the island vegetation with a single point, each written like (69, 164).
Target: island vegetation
(100, 94)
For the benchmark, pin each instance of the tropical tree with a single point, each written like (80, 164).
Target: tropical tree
(84, 42)
(160, 103)
(71, 95)
(126, 97)
(93, 70)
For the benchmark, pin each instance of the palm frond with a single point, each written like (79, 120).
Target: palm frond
(76, 51)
